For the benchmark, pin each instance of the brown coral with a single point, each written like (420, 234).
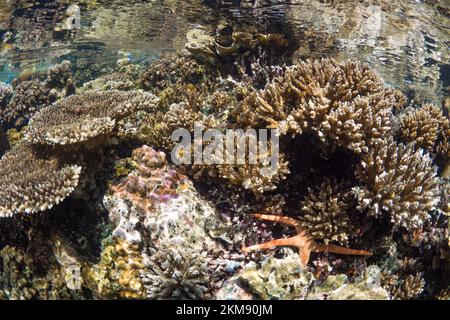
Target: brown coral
(30, 183)
(397, 180)
(32, 93)
(82, 117)
(345, 103)
(422, 126)
(6, 91)
(409, 288)
(325, 212)
(259, 170)
(29, 97)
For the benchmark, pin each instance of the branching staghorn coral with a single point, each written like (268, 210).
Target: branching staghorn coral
(31, 181)
(258, 171)
(325, 212)
(29, 97)
(409, 288)
(6, 92)
(423, 126)
(33, 93)
(397, 180)
(86, 116)
(345, 104)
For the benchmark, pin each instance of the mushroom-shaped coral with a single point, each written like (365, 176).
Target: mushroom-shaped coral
(30, 182)
(397, 180)
(83, 117)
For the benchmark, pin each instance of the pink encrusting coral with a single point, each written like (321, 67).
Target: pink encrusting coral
(152, 181)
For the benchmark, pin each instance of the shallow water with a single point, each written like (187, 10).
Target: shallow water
(407, 42)
(107, 211)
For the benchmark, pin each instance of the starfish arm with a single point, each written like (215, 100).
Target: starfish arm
(281, 219)
(289, 242)
(304, 254)
(331, 248)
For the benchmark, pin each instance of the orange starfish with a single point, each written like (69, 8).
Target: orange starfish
(302, 241)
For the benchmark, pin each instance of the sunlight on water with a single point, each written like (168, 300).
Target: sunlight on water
(406, 42)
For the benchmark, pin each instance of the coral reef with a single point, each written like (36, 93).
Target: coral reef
(6, 92)
(344, 104)
(355, 169)
(175, 272)
(428, 128)
(325, 212)
(399, 180)
(18, 281)
(29, 96)
(31, 182)
(116, 275)
(277, 278)
(34, 92)
(157, 205)
(302, 241)
(366, 287)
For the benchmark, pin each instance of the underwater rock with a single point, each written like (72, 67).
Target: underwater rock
(159, 208)
(232, 289)
(337, 287)
(277, 278)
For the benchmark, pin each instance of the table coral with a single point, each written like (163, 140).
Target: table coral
(83, 117)
(30, 182)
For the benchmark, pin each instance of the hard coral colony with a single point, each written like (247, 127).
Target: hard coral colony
(358, 169)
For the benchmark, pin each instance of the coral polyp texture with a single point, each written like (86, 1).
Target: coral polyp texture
(35, 91)
(29, 183)
(85, 116)
(344, 104)
(174, 272)
(398, 181)
(326, 212)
